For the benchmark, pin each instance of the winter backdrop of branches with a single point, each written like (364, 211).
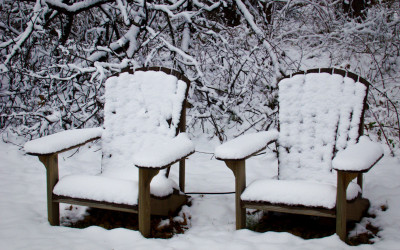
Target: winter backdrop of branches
(56, 54)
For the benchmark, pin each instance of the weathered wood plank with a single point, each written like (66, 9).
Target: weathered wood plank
(97, 204)
(53, 207)
(145, 177)
(159, 206)
(360, 181)
(238, 168)
(343, 180)
(331, 213)
(182, 170)
(182, 164)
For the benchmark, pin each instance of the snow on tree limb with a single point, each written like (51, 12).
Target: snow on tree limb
(250, 19)
(28, 31)
(233, 51)
(76, 7)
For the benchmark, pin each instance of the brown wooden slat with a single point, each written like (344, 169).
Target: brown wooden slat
(338, 71)
(266, 206)
(159, 206)
(53, 207)
(96, 204)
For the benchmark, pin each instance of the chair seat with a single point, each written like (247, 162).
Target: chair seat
(108, 189)
(296, 193)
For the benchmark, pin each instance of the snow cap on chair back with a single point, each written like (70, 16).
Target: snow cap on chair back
(140, 108)
(319, 114)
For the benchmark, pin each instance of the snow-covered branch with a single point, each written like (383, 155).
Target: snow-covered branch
(270, 50)
(74, 8)
(28, 31)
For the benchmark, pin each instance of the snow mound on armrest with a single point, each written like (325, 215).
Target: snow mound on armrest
(164, 151)
(245, 145)
(62, 140)
(358, 157)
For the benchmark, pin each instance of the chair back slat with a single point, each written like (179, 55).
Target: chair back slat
(141, 107)
(320, 113)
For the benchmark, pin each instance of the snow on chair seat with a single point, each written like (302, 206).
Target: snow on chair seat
(296, 193)
(100, 188)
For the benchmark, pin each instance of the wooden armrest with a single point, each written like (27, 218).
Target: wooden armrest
(62, 141)
(245, 146)
(164, 153)
(358, 158)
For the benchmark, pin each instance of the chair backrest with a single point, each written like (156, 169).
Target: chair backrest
(321, 112)
(141, 106)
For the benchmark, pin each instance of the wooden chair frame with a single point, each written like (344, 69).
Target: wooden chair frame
(147, 204)
(344, 210)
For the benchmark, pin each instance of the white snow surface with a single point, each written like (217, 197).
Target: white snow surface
(98, 188)
(164, 152)
(292, 192)
(141, 112)
(24, 224)
(137, 111)
(358, 157)
(60, 141)
(318, 114)
(245, 145)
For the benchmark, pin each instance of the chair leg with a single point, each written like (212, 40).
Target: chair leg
(343, 180)
(53, 208)
(145, 177)
(182, 175)
(239, 170)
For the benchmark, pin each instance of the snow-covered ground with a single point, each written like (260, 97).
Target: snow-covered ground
(23, 221)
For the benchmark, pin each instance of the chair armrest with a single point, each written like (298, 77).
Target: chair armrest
(360, 157)
(62, 141)
(245, 146)
(164, 153)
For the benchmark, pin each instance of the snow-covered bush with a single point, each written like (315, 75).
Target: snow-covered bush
(55, 56)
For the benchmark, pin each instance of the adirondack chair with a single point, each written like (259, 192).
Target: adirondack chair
(144, 121)
(321, 150)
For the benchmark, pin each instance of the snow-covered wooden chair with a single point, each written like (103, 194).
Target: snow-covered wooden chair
(321, 150)
(144, 117)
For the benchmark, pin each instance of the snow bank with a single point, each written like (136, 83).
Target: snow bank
(62, 140)
(164, 152)
(24, 224)
(292, 192)
(245, 145)
(358, 157)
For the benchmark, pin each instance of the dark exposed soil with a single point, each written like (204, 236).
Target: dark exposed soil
(306, 227)
(310, 227)
(113, 219)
